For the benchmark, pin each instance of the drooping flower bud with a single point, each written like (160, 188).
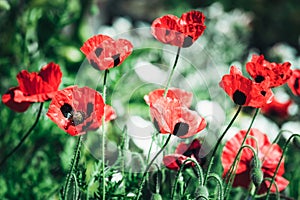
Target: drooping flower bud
(257, 176)
(202, 193)
(255, 162)
(156, 196)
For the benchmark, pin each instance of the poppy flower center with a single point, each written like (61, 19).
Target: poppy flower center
(259, 79)
(76, 117)
(181, 129)
(239, 97)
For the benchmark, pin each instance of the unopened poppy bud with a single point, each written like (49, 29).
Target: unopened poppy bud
(202, 193)
(256, 176)
(156, 197)
(255, 162)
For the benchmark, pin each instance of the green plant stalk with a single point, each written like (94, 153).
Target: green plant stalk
(149, 165)
(220, 185)
(24, 137)
(73, 165)
(103, 136)
(199, 173)
(172, 72)
(280, 160)
(219, 142)
(237, 158)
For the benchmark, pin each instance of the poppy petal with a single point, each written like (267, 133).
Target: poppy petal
(9, 100)
(174, 93)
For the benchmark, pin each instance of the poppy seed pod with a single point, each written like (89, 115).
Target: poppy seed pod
(257, 176)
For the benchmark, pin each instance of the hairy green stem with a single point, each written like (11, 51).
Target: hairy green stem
(219, 142)
(280, 160)
(24, 137)
(199, 173)
(103, 135)
(172, 72)
(73, 165)
(229, 178)
(220, 184)
(149, 165)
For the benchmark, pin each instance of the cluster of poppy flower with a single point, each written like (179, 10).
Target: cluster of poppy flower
(77, 110)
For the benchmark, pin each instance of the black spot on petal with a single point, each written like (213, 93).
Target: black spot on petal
(66, 110)
(181, 129)
(89, 109)
(259, 79)
(116, 59)
(239, 97)
(296, 84)
(94, 64)
(168, 32)
(281, 75)
(263, 93)
(188, 41)
(155, 123)
(98, 51)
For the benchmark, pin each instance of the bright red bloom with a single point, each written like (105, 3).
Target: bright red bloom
(294, 82)
(181, 32)
(103, 52)
(276, 109)
(171, 117)
(259, 69)
(268, 153)
(245, 92)
(33, 87)
(174, 93)
(182, 153)
(77, 110)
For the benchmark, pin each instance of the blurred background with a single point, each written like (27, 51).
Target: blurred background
(35, 32)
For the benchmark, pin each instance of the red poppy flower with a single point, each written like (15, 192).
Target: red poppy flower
(170, 117)
(182, 153)
(259, 69)
(268, 153)
(33, 87)
(77, 110)
(245, 92)
(181, 32)
(174, 93)
(276, 109)
(294, 82)
(103, 52)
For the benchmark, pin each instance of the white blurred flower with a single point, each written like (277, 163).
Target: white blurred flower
(290, 128)
(150, 73)
(116, 177)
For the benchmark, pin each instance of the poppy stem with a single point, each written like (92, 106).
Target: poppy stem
(149, 165)
(198, 171)
(172, 72)
(24, 137)
(232, 169)
(103, 135)
(219, 183)
(74, 163)
(219, 142)
(280, 160)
